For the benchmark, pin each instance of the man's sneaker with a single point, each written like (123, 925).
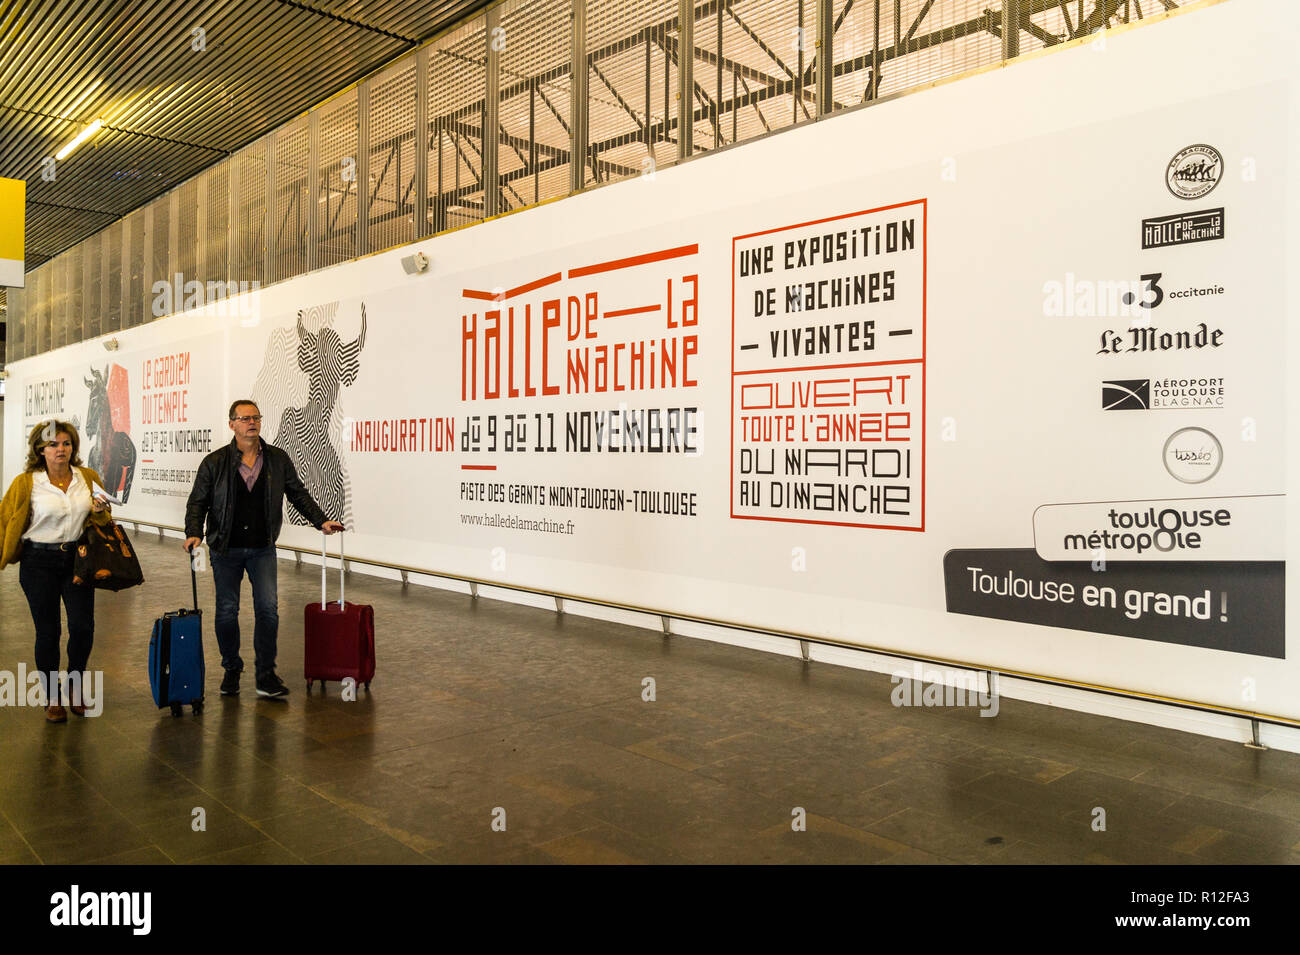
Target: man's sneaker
(271, 686)
(230, 683)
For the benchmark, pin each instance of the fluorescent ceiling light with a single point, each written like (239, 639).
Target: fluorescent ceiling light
(82, 136)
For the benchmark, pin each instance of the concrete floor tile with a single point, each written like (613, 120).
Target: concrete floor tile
(265, 852)
(381, 850)
(146, 855)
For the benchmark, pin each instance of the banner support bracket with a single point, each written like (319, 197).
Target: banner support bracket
(667, 623)
(406, 578)
(473, 590)
(559, 606)
(805, 651)
(1254, 742)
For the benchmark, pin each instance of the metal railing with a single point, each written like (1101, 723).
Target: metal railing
(805, 641)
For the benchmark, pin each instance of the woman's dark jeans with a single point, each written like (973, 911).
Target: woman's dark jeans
(46, 578)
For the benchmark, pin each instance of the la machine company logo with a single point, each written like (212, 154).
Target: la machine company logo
(1193, 455)
(1194, 171)
(1162, 394)
(1182, 228)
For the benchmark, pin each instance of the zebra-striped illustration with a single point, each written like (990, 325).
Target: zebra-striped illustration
(299, 386)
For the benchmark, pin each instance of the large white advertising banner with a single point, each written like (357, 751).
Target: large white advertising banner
(970, 374)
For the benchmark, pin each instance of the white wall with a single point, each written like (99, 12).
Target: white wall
(1018, 178)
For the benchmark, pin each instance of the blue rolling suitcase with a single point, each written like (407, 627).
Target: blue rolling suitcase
(176, 657)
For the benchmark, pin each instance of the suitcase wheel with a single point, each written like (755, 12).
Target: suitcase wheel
(176, 709)
(198, 707)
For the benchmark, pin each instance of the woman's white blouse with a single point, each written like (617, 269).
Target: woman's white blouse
(57, 516)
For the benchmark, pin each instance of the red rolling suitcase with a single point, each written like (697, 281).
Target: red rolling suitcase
(338, 638)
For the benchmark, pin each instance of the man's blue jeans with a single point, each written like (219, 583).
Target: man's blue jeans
(228, 575)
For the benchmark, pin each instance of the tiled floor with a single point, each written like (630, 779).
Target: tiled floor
(488, 711)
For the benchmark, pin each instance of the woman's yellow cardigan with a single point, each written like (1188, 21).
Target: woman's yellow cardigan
(16, 512)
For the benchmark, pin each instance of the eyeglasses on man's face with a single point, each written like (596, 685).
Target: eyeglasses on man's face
(248, 418)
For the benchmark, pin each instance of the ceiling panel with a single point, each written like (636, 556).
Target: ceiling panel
(179, 85)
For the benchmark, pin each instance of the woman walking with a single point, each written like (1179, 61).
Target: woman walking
(42, 515)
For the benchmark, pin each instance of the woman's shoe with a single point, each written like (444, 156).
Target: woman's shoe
(56, 714)
(77, 708)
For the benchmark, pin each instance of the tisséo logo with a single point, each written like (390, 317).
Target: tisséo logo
(1194, 171)
(1193, 455)
(1130, 395)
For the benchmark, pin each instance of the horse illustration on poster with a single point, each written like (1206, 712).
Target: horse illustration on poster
(108, 423)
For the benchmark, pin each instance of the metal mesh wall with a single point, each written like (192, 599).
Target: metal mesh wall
(185, 254)
(56, 291)
(534, 102)
(111, 293)
(92, 272)
(887, 46)
(215, 264)
(158, 266)
(392, 157)
(74, 321)
(632, 112)
(293, 200)
(457, 88)
(40, 312)
(135, 298)
(248, 263)
(755, 69)
(289, 212)
(16, 320)
(336, 181)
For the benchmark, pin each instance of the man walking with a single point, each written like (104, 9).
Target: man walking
(240, 489)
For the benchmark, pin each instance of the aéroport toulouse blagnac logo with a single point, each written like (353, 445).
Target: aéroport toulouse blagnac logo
(1182, 228)
(78, 907)
(1194, 171)
(1193, 455)
(1161, 394)
(1129, 395)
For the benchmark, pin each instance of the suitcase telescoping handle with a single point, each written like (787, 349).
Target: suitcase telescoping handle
(194, 584)
(324, 544)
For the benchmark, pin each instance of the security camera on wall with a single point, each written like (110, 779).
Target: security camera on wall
(415, 264)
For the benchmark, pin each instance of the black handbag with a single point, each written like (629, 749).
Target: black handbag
(105, 558)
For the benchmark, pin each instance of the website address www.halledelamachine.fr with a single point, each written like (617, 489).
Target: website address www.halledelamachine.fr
(518, 523)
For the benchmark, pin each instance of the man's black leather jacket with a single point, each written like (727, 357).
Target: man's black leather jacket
(213, 496)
